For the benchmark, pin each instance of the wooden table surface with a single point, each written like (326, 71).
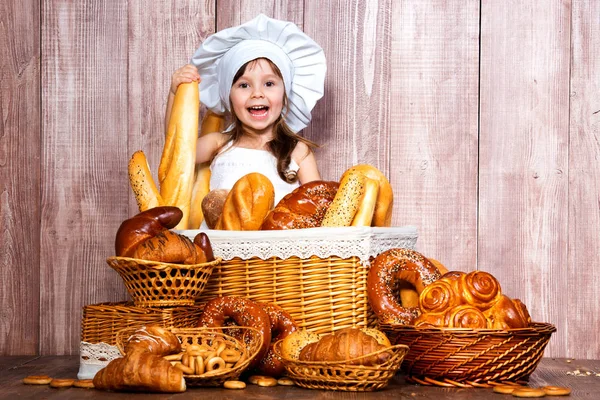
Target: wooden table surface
(582, 376)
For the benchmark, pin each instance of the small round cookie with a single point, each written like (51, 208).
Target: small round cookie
(62, 383)
(253, 379)
(528, 392)
(37, 380)
(234, 385)
(557, 390)
(506, 389)
(285, 381)
(267, 381)
(84, 383)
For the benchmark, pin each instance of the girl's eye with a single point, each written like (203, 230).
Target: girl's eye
(243, 85)
(270, 83)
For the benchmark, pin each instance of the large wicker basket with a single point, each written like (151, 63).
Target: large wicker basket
(101, 322)
(246, 340)
(158, 284)
(318, 275)
(336, 375)
(456, 357)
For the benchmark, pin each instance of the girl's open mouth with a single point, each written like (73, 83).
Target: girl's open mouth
(258, 111)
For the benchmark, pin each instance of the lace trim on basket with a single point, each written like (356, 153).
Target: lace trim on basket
(97, 353)
(346, 242)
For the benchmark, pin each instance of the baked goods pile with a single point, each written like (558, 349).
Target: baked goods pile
(453, 300)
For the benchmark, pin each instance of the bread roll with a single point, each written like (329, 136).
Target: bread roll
(212, 206)
(177, 164)
(247, 204)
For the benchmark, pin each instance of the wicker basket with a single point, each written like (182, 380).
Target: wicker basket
(322, 295)
(453, 357)
(157, 284)
(101, 322)
(333, 375)
(247, 341)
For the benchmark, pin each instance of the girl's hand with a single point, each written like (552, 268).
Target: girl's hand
(187, 73)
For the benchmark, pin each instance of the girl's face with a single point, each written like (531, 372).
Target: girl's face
(257, 97)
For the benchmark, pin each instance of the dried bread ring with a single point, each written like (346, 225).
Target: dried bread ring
(37, 380)
(62, 383)
(266, 381)
(234, 385)
(557, 390)
(230, 355)
(285, 381)
(84, 383)
(215, 364)
(253, 379)
(199, 365)
(529, 392)
(505, 389)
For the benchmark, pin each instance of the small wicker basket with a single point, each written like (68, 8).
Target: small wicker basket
(157, 284)
(248, 343)
(335, 375)
(456, 357)
(101, 322)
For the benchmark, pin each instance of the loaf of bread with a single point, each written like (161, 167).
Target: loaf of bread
(364, 198)
(247, 203)
(177, 164)
(304, 207)
(350, 344)
(210, 123)
(142, 184)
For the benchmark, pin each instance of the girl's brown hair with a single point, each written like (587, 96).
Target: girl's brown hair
(284, 140)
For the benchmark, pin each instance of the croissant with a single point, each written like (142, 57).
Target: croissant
(140, 372)
(143, 369)
(133, 231)
(153, 339)
(170, 247)
(343, 345)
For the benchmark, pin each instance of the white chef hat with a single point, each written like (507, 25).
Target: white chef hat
(299, 58)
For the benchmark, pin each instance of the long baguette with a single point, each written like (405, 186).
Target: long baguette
(210, 123)
(176, 170)
(142, 184)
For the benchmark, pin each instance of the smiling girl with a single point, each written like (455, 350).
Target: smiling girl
(267, 76)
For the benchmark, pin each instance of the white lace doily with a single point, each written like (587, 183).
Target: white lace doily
(362, 242)
(95, 356)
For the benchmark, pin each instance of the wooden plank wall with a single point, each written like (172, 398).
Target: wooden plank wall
(484, 115)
